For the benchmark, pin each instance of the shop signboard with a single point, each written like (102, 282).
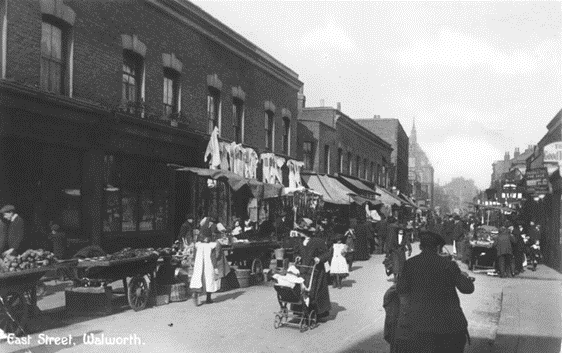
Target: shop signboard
(553, 153)
(537, 181)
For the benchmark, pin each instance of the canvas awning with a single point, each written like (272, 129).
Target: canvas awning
(360, 186)
(258, 189)
(331, 190)
(388, 198)
(407, 201)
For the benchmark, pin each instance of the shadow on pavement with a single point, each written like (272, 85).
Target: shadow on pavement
(348, 283)
(355, 268)
(336, 308)
(224, 296)
(52, 348)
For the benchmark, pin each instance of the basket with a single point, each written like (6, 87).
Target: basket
(178, 292)
(243, 277)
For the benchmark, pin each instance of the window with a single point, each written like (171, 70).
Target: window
(238, 116)
(52, 58)
(340, 160)
(307, 155)
(372, 171)
(213, 109)
(3, 38)
(136, 195)
(327, 159)
(349, 166)
(269, 130)
(357, 166)
(286, 135)
(132, 79)
(379, 175)
(171, 92)
(365, 166)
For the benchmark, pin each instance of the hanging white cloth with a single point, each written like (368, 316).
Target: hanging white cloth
(225, 165)
(203, 269)
(232, 156)
(253, 164)
(279, 162)
(294, 173)
(268, 161)
(213, 150)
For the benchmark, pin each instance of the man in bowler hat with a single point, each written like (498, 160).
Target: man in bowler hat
(16, 230)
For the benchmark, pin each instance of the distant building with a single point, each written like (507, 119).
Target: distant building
(507, 184)
(421, 172)
(392, 132)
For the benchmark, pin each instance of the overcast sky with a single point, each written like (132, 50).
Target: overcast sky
(480, 78)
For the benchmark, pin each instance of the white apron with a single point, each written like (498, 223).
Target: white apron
(203, 270)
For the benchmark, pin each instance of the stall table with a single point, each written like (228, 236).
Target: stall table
(482, 256)
(251, 255)
(137, 289)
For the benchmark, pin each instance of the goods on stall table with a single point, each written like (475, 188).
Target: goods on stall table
(30, 259)
(126, 253)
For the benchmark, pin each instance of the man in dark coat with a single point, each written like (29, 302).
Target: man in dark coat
(309, 252)
(448, 226)
(458, 235)
(186, 230)
(533, 233)
(3, 235)
(382, 232)
(398, 244)
(518, 250)
(16, 230)
(363, 231)
(504, 251)
(430, 309)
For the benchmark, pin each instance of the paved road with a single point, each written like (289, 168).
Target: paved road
(242, 321)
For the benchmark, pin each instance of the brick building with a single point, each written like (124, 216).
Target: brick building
(392, 132)
(330, 142)
(99, 96)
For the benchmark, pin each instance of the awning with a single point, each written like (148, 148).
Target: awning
(407, 201)
(361, 200)
(259, 190)
(388, 198)
(331, 190)
(359, 185)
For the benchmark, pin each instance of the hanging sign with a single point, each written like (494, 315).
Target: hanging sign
(537, 181)
(553, 153)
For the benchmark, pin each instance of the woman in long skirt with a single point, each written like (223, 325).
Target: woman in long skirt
(206, 277)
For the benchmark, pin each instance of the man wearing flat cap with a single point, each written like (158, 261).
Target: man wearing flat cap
(430, 309)
(186, 230)
(14, 238)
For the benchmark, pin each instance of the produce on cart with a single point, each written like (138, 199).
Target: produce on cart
(19, 276)
(482, 254)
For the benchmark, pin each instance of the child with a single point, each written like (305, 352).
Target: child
(350, 242)
(535, 254)
(338, 266)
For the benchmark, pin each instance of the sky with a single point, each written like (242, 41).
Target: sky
(480, 78)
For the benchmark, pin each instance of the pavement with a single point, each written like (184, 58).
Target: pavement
(504, 314)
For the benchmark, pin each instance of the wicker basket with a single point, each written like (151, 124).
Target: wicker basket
(178, 292)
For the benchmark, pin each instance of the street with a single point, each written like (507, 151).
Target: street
(242, 321)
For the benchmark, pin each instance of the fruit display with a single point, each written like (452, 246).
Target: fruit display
(126, 253)
(30, 259)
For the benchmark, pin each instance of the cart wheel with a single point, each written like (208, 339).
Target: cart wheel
(302, 324)
(16, 305)
(312, 321)
(138, 292)
(277, 323)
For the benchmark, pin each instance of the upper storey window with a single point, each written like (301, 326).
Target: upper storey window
(52, 58)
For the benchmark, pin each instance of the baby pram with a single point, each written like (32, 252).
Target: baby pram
(298, 304)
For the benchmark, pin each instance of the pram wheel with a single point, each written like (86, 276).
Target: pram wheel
(277, 322)
(312, 320)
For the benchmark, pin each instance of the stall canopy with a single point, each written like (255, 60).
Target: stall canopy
(388, 198)
(363, 189)
(407, 201)
(236, 182)
(331, 190)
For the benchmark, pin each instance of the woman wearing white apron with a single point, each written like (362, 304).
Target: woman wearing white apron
(205, 272)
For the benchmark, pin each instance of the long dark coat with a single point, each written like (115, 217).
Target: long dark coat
(363, 232)
(429, 281)
(518, 249)
(448, 227)
(504, 243)
(3, 236)
(15, 235)
(396, 250)
(316, 248)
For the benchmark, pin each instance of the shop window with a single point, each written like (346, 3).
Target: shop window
(349, 164)
(327, 159)
(136, 195)
(269, 131)
(357, 166)
(286, 135)
(170, 97)
(373, 171)
(238, 116)
(133, 65)
(213, 109)
(365, 168)
(307, 155)
(53, 57)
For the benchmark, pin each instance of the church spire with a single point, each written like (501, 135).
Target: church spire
(413, 134)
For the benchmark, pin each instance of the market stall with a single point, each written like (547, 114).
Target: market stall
(481, 251)
(95, 275)
(19, 277)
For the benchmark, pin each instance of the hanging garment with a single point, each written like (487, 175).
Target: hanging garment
(239, 160)
(294, 173)
(254, 159)
(267, 167)
(213, 150)
(279, 162)
(204, 268)
(225, 165)
(246, 156)
(232, 155)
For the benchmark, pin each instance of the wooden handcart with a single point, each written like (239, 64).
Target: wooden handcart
(138, 269)
(19, 298)
(482, 257)
(251, 255)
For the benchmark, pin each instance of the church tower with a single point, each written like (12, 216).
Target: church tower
(413, 141)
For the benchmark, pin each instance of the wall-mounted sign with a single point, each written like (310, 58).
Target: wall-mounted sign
(537, 181)
(553, 153)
